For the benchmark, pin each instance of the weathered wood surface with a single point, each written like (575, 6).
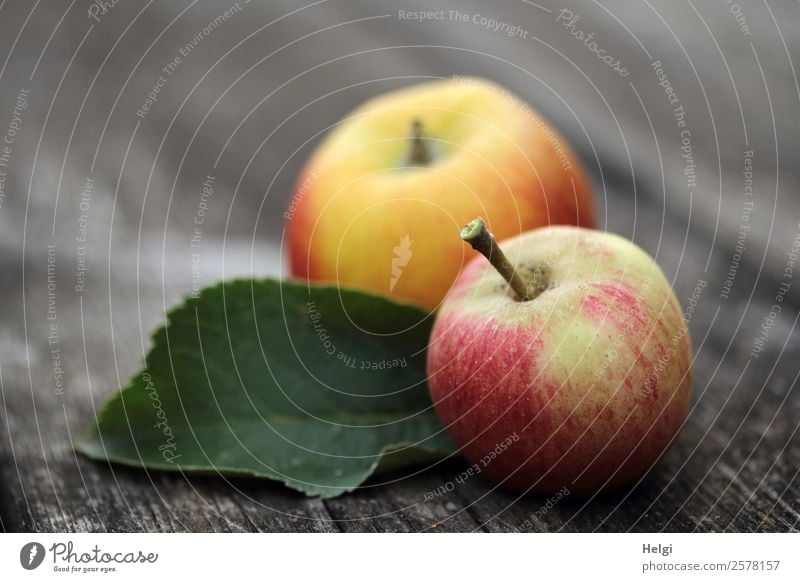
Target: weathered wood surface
(252, 85)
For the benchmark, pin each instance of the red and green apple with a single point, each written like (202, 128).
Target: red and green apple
(573, 344)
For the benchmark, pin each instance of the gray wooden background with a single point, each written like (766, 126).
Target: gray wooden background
(240, 107)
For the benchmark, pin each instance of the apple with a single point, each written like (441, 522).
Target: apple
(387, 185)
(565, 363)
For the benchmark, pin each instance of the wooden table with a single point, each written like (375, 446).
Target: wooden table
(239, 105)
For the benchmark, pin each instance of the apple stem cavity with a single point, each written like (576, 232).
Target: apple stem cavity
(419, 155)
(483, 241)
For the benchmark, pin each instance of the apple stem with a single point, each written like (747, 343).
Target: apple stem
(419, 155)
(483, 241)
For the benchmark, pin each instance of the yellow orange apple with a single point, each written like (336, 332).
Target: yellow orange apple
(391, 182)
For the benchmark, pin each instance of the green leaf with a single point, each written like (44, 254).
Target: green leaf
(316, 387)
